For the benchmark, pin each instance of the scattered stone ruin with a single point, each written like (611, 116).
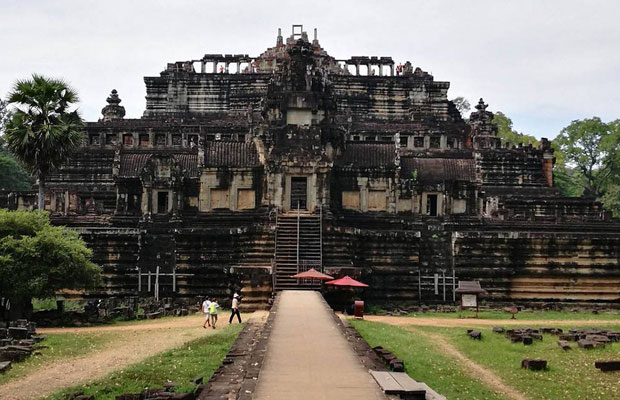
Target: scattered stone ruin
(245, 170)
(18, 340)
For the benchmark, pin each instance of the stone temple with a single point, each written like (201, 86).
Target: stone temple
(245, 170)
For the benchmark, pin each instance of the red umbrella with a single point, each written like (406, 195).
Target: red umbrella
(313, 274)
(346, 281)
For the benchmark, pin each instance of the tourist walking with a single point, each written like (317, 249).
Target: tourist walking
(206, 309)
(213, 307)
(234, 309)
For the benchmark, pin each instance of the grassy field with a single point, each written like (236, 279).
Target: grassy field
(425, 362)
(571, 374)
(58, 346)
(525, 315)
(200, 357)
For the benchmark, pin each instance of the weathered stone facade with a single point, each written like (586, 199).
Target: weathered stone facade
(409, 194)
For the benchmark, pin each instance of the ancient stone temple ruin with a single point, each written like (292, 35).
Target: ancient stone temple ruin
(245, 170)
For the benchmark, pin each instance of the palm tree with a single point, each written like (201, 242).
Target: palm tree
(42, 132)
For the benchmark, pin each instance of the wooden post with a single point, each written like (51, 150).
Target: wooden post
(149, 281)
(139, 280)
(443, 277)
(436, 279)
(174, 279)
(157, 283)
(419, 284)
(453, 285)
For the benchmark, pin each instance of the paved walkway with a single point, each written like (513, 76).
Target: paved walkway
(309, 358)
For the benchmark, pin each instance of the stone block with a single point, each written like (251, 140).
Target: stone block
(475, 334)
(527, 340)
(534, 365)
(498, 329)
(397, 365)
(564, 345)
(586, 344)
(5, 366)
(607, 366)
(18, 332)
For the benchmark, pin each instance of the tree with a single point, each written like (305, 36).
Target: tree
(591, 148)
(38, 259)
(12, 174)
(462, 104)
(507, 134)
(42, 133)
(611, 199)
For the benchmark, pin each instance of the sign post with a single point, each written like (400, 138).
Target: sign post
(470, 292)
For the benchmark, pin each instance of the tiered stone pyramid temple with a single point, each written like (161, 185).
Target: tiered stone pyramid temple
(244, 170)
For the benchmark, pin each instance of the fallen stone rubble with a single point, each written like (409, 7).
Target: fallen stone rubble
(18, 340)
(395, 364)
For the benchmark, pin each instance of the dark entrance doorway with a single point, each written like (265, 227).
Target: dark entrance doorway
(162, 202)
(299, 192)
(431, 205)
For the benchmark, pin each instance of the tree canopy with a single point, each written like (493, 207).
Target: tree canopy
(591, 148)
(42, 132)
(38, 259)
(12, 175)
(508, 134)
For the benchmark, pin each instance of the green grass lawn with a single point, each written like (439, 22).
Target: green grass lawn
(200, 357)
(425, 362)
(58, 346)
(525, 315)
(571, 374)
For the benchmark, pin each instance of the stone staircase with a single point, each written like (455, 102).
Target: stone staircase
(292, 229)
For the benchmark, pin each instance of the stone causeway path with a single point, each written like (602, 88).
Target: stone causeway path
(308, 356)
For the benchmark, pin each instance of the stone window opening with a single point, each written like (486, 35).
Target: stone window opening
(403, 141)
(144, 140)
(160, 139)
(110, 139)
(128, 139)
(435, 142)
(356, 138)
(452, 143)
(94, 140)
(418, 142)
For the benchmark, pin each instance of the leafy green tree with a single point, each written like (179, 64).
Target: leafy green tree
(38, 259)
(591, 149)
(12, 174)
(611, 199)
(42, 132)
(507, 134)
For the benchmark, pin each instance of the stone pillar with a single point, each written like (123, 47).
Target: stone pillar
(357, 69)
(380, 69)
(202, 67)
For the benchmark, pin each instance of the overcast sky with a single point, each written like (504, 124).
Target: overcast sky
(544, 63)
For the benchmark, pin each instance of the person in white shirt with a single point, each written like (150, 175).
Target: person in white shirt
(206, 305)
(234, 309)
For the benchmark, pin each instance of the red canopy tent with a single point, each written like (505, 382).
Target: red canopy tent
(346, 281)
(313, 274)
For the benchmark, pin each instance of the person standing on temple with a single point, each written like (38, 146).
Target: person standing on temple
(206, 309)
(213, 311)
(234, 309)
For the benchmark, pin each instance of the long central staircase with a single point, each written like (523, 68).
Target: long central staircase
(298, 248)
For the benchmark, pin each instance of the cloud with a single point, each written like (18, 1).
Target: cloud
(542, 63)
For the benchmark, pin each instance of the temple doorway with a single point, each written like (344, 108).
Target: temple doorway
(299, 192)
(162, 202)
